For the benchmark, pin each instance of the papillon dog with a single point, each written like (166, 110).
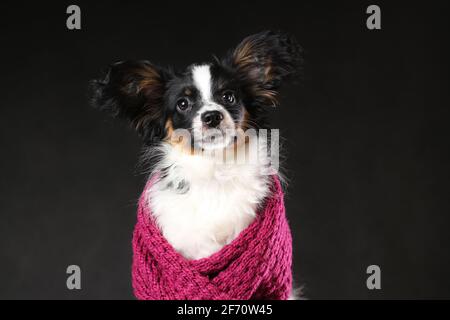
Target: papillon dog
(192, 124)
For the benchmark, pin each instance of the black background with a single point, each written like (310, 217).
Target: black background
(366, 139)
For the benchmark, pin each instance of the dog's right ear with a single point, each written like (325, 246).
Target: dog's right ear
(134, 90)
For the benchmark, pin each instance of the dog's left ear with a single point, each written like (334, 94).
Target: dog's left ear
(263, 61)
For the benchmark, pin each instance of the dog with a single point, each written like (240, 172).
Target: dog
(200, 201)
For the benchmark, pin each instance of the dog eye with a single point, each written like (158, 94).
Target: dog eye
(228, 97)
(183, 104)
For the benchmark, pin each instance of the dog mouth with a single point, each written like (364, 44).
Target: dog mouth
(216, 138)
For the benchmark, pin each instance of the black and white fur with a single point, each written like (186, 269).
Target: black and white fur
(199, 203)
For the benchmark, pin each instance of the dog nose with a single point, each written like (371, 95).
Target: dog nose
(212, 118)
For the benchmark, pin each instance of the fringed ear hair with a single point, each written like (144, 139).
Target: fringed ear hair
(134, 90)
(263, 61)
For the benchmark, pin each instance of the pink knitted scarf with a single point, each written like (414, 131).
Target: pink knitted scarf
(255, 265)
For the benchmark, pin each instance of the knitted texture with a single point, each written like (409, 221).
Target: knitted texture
(255, 265)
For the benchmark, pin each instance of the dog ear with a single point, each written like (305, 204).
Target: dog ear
(263, 61)
(134, 90)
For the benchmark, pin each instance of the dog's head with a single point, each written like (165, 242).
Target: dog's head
(212, 101)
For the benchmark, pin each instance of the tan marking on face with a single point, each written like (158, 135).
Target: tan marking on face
(244, 123)
(169, 130)
(177, 142)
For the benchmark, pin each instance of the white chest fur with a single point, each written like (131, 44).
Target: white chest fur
(201, 205)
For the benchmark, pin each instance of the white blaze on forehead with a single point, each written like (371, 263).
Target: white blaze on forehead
(202, 80)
